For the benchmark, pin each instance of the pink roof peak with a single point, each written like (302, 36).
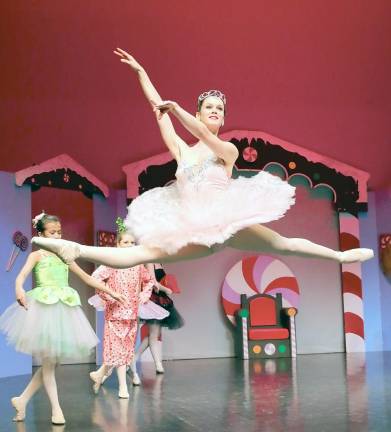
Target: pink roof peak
(62, 161)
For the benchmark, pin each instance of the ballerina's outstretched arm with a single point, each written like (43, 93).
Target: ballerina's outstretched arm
(95, 283)
(170, 138)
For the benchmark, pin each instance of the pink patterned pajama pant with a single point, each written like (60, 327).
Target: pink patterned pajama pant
(118, 342)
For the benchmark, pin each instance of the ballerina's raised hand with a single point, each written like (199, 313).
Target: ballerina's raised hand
(128, 59)
(163, 107)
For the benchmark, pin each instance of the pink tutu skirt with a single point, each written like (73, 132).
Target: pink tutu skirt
(206, 207)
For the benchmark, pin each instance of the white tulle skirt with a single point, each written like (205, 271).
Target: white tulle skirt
(55, 331)
(206, 213)
(146, 311)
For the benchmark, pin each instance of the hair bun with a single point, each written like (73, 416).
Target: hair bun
(38, 218)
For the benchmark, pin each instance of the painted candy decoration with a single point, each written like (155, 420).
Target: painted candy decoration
(250, 154)
(385, 254)
(21, 243)
(261, 274)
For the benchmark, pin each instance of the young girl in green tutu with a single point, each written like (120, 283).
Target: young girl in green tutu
(47, 321)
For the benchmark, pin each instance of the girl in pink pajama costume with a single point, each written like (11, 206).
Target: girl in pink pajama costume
(135, 285)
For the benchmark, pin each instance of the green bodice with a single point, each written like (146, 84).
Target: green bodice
(51, 282)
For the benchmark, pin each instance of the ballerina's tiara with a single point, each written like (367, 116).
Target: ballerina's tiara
(38, 218)
(216, 93)
(121, 227)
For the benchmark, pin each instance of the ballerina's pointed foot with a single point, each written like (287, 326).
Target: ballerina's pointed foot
(67, 250)
(355, 255)
(98, 381)
(20, 408)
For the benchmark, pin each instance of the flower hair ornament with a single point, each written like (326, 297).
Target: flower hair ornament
(38, 218)
(121, 227)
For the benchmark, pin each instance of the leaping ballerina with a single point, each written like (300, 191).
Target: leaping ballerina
(205, 210)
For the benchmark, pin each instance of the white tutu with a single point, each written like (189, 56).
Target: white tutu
(204, 206)
(149, 310)
(53, 331)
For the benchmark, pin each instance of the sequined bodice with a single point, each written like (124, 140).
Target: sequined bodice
(210, 171)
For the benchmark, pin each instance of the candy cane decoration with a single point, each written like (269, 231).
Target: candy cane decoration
(245, 338)
(293, 334)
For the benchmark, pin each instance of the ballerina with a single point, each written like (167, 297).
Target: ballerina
(205, 210)
(47, 321)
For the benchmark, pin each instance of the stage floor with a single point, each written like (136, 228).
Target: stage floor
(328, 392)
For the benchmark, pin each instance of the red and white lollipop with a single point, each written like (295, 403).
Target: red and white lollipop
(261, 274)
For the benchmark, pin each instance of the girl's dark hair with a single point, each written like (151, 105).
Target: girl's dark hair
(40, 226)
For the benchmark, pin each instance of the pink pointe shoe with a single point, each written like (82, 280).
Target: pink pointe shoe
(67, 250)
(355, 255)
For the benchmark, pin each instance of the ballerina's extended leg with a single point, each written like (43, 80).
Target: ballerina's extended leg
(259, 238)
(256, 238)
(118, 257)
